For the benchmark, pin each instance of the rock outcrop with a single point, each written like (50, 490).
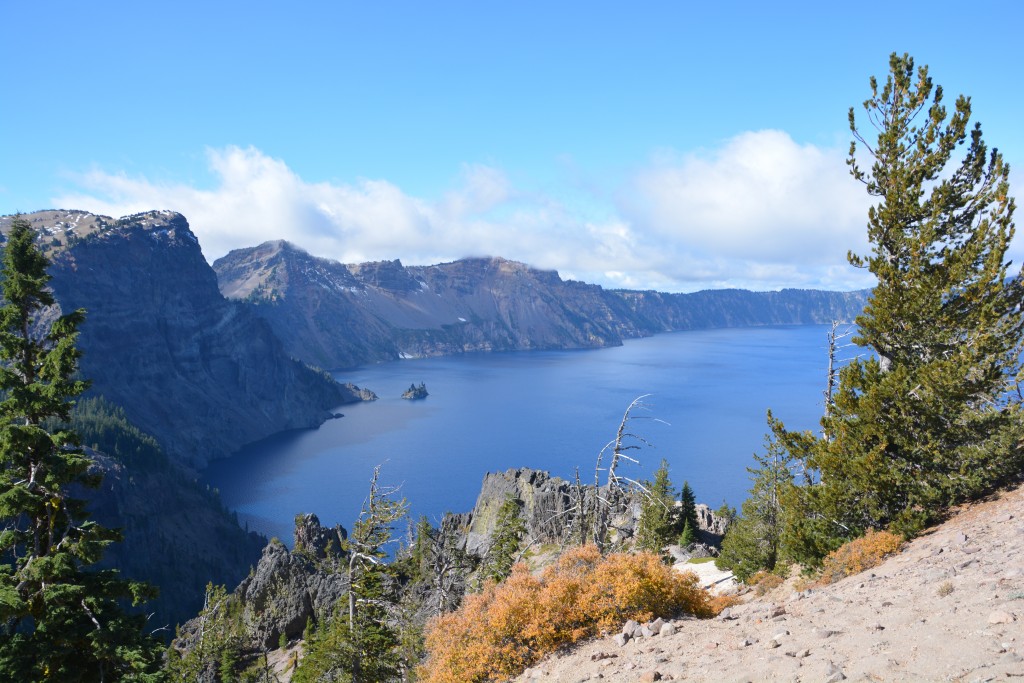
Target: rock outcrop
(415, 393)
(286, 589)
(551, 511)
(338, 316)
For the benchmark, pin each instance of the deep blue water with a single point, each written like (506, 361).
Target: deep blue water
(552, 410)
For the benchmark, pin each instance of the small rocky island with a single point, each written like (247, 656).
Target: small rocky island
(414, 392)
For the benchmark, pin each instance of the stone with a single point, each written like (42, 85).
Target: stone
(667, 630)
(823, 633)
(1001, 617)
(834, 673)
(629, 627)
(650, 676)
(726, 614)
(621, 639)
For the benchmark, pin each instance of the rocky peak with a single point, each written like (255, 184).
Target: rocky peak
(316, 541)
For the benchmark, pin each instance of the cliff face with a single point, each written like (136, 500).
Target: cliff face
(201, 373)
(339, 316)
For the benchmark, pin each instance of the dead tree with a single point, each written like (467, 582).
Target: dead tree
(610, 498)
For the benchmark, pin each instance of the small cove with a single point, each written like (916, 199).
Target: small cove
(551, 410)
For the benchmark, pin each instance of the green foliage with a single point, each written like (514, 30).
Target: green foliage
(656, 527)
(686, 520)
(105, 427)
(931, 418)
(754, 539)
(508, 532)
(726, 512)
(216, 647)
(58, 620)
(360, 644)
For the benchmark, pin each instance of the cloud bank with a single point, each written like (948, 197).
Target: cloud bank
(760, 211)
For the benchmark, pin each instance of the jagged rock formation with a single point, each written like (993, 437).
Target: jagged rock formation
(285, 589)
(338, 316)
(550, 509)
(199, 372)
(415, 393)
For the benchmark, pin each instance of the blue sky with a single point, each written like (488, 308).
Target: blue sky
(677, 146)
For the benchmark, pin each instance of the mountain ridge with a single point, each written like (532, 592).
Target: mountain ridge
(342, 315)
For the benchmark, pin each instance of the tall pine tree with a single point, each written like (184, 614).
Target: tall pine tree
(929, 419)
(59, 620)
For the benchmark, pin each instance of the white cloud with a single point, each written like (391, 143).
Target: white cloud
(761, 197)
(760, 212)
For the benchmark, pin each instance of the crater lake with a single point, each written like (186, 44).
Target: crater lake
(708, 392)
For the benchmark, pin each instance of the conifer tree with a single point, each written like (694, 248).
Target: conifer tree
(687, 516)
(929, 419)
(753, 541)
(59, 620)
(358, 644)
(654, 529)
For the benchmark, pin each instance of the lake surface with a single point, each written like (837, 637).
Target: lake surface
(551, 410)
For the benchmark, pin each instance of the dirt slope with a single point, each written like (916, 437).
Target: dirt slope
(949, 608)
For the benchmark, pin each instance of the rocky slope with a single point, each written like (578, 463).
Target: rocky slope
(199, 372)
(337, 315)
(950, 607)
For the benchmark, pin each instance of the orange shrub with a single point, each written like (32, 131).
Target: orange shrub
(507, 627)
(720, 602)
(764, 581)
(859, 554)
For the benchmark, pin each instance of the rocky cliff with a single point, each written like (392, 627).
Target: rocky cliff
(339, 315)
(199, 372)
(550, 509)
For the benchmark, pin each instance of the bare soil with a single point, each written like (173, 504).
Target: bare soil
(950, 607)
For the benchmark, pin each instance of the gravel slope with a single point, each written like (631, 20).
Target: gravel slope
(948, 608)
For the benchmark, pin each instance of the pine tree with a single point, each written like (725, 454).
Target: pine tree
(929, 420)
(687, 518)
(508, 532)
(358, 644)
(656, 527)
(59, 620)
(753, 541)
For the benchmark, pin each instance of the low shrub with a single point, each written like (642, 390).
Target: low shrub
(764, 581)
(859, 555)
(507, 627)
(720, 602)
